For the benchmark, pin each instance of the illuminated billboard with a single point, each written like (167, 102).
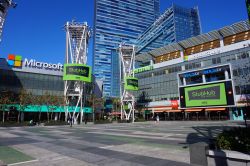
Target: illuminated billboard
(206, 95)
(77, 72)
(131, 83)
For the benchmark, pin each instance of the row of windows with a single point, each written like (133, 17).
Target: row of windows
(158, 82)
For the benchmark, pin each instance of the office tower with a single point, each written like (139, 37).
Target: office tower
(118, 21)
(175, 24)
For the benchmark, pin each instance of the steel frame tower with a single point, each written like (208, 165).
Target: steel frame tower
(127, 65)
(77, 36)
(4, 6)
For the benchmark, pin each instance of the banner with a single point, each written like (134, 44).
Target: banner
(77, 72)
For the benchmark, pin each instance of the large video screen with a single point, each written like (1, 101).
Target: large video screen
(77, 72)
(215, 94)
(131, 83)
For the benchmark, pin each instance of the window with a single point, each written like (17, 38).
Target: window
(216, 60)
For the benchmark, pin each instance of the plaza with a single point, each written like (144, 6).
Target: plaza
(144, 143)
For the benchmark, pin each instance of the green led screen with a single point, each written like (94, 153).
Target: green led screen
(131, 83)
(205, 95)
(77, 72)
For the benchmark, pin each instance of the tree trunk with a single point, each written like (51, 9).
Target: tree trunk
(51, 116)
(3, 115)
(18, 116)
(48, 116)
(59, 116)
(39, 117)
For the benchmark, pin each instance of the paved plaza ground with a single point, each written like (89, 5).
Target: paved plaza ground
(145, 143)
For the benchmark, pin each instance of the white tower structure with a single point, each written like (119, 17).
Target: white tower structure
(127, 65)
(77, 36)
(4, 6)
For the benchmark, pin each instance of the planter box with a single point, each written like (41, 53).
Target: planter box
(227, 158)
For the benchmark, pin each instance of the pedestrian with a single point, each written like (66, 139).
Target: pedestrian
(157, 118)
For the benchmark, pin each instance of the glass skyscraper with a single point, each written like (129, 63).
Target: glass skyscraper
(175, 24)
(118, 21)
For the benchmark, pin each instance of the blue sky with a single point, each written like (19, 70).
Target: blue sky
(35, 28)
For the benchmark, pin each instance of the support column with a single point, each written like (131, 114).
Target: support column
(204, 78)
(226, 75)
(221, 43)
(184, 81)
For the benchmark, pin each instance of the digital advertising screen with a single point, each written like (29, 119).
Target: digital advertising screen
(213, 94)
(77, 72)
(131, 83)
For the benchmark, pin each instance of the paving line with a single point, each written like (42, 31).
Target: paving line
(106, 147)
(140, 136)
(23, 162)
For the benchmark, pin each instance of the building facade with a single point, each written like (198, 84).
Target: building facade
(175, 24)
(158, 83)
(39, 79)
(118, 21)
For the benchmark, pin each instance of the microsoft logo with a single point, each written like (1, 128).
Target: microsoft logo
(15, 61)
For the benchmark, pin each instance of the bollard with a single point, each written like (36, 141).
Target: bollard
(198, 153)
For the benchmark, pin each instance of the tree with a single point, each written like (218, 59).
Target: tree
(50, 101)
(117, 105)
(39, 101)
(5, 98)
(95, 102)
(24, 99)
(61, 103)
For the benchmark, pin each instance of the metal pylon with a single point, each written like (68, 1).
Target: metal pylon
(127, 65)
(77, 36)
(4, 6)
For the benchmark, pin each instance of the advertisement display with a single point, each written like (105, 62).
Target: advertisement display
(131, 83)
(77, 72)
(207, 95)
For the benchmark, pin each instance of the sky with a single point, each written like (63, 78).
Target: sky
(35, 28)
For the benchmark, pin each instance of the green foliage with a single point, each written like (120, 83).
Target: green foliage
(237, 139)
(55, 123)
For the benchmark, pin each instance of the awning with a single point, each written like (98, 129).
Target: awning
(174, 111)
(159, 111)
(193, 110)
(215, 109)
(115, 113)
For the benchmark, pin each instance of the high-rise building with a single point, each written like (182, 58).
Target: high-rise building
(175, 24)
(118, 21)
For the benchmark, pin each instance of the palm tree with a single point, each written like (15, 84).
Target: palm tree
(117, 103)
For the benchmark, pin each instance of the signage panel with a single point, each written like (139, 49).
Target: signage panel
(143, 69)
(207, 95)
(77, 72)
(131, 83)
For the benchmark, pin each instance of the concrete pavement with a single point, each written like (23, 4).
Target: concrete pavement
(145, 143)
